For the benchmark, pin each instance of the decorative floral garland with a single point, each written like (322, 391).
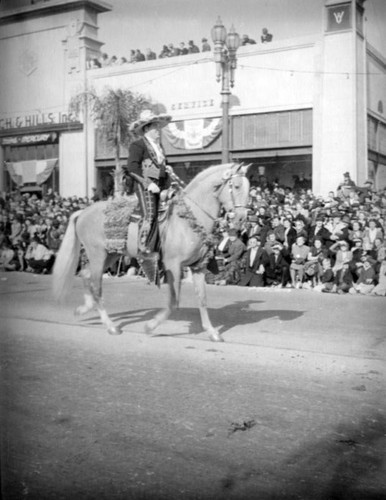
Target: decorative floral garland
(118, 214)
(209, 241)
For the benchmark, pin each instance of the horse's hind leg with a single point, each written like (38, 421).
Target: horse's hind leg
(89, 303)
(93, 284)
(200, 289)
(173, 278)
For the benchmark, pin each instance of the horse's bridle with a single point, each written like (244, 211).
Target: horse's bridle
(228, 181)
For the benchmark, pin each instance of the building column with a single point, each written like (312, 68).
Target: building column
(340, 134)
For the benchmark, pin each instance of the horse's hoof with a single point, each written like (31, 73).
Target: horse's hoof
(114, 331)
(150, 326)
(214, 336)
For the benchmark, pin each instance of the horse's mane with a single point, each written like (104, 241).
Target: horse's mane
(201, 176)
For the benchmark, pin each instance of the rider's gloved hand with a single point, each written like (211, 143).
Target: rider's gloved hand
(153, 188)
(169, 169)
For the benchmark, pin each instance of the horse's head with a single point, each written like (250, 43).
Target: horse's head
(233, 192)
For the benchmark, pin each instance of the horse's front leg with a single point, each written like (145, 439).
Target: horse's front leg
(173, 279)
(200, 289)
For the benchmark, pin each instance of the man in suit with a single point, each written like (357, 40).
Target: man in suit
(148, 173)
(231, 260)
(277, 271)
(256, 262)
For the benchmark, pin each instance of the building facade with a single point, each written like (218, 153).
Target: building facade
(309, 105)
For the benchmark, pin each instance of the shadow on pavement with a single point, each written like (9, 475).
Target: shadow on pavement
(225, 318)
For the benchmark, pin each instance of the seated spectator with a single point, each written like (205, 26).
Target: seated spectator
(342, 254)
(266, 37)
(205, 45)
(318, 231)
(355, 232)
(269, 242)
(344, 279)
(313, 266)
(300, 228)
(104, 60)
(277, 272)
(165, 52)
(192, 48)
(370, 234)
(8, 258)
(327, 278)
(366, 280)
(123, 60)
(299, 254)
(150, 55)
(245, 40)
(133, 56)
(277, 228)
(337, 228)
(113, 61)
(230, 273)
(139, 56)
(380, 288)
(38, 257)
(256, 261)
(183, 49)
(173, 51)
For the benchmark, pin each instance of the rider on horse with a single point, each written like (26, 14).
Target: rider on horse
(149, 174)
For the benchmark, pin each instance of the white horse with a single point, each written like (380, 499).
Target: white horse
(185, 236)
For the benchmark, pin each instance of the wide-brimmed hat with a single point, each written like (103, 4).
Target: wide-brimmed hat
(146, 118)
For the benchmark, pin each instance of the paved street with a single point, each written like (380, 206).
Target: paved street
(291, 405)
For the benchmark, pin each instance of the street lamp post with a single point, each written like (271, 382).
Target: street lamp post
(225, 48)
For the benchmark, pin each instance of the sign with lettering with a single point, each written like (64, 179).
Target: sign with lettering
(205, 103)
(37, 120)
(339, 17)
(22, 140)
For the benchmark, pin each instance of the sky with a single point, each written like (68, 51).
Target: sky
(139, 24)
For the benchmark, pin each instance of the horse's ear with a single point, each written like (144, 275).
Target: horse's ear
(243, 169)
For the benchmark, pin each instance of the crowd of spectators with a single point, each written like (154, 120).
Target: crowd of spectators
(291, 238)
(169, 50)
(294, 239)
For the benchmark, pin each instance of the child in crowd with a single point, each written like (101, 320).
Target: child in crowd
(327, 278)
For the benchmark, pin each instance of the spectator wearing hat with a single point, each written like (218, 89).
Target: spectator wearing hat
(337, 228)
(277, 272)
(192, 48)
(205, 47)
(231, 271)
(318, 230)
(256, 261)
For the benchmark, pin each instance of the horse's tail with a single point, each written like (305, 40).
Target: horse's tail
(66, 260)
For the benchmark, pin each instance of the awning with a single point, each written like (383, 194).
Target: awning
(33, 171)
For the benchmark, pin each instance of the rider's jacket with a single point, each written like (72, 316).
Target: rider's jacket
(144, 160)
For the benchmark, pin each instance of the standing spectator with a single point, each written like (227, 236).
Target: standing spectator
(266, 37)
(16, 229)
(256, 262)
(104, 60)
(277, 228)
(113, 61)
(133, 57)
(192, 48)
(150, 55)
(205, 45)
(122, 60)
